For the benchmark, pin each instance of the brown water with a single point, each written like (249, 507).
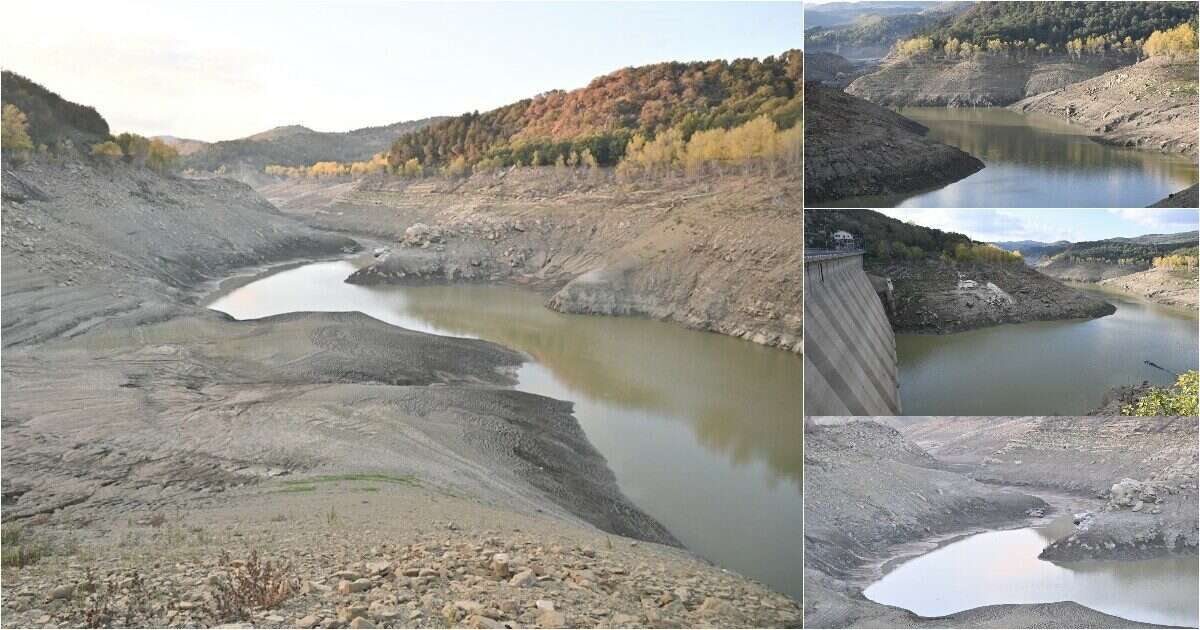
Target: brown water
(1045, 368)
(703, 431)
(1035, 161)
(1003, 568)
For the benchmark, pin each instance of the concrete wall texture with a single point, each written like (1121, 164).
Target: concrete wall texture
(849, 348)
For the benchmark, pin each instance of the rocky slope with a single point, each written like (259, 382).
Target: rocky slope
(1143, 470)
(722, 255)
(1152, 105)
(876, 496)
(832, 70)
(935, 296)
(1172, 287)
(1187, 198)
(983, 80)
(1075, 270)
(371, 552)
(124, 400)
(855, 148)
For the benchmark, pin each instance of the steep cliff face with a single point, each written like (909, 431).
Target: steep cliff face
(982, 80)
(1152, 105)
(855, 148)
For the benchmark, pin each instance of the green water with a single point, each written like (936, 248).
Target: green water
(703, 431)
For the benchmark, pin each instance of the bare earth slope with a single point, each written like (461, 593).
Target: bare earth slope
(1152, 105)
(983, 80)
(1172, 287)
(721, 255)
(125, 401)
(936, 296)
(855, 148)
(876, 495)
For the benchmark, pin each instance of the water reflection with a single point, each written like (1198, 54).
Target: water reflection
(1003, 568)
(1044, 368)
(703, 431)
(1038, 161)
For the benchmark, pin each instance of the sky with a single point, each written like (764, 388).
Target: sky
(1051, 225)
(220, 69)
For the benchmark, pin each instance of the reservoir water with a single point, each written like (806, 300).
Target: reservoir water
(703, 431)
(1045, 368)
(1002, 567)
(1035, 161)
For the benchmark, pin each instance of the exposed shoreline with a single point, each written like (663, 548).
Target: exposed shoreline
(101, 389)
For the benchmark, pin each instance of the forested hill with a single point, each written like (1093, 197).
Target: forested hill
(295, 145)
(50, 117)
(1140, 250)
(602, 117)
(1056, 23)
(884, 237)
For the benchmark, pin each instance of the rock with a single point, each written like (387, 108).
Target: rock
(61, 592)
(621, 619)
(552, 619)
(346, 614)
(480, 621)
(1035, 512)
(381, 567)
(361, 622)
(499, 565)
(450, 612)
(309, 621)
(714, 606)
(346, 587)
(467, 605)
(349, 576)
(273, 618)
(544, 604)
(523, 579)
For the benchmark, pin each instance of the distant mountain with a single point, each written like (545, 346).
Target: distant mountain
(185, 146)
(868, 36)
(1137, 251)
(838, 13)
(296, 145)
(1180, 238)
(1033, 251)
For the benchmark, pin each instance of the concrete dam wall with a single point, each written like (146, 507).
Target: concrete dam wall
(849, 348)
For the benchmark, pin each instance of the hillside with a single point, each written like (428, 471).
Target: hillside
(296, 145)
(52, 118)
(1151, 105)
(855, 148)
(1056, 23)
(1032, 251)
(869, 36)
(602, 117)
(1094, 261)
(185, 146)
(834, 14)
(997, 53)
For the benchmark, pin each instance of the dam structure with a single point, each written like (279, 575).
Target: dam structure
(849, 348)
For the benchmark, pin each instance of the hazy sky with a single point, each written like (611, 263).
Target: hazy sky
(1051, 225)
(217, 70)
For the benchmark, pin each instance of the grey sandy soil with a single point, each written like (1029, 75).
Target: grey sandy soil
(1169, 287)
(415, 555)
(880, 493)
(1187, 198)
(939, 297)
(720, 255)
(855, 148)
(124, 398)
(983, 80)
(1151, 105)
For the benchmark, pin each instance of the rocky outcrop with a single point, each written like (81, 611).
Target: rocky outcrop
(982, 80)
(935, 296)
(832, 70)
(722, 257)
(1151, 105)
(1169, 287)
(854, 148)
(1187, 198)
(1073, 269)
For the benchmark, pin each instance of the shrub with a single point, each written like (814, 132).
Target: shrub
(1179, 399)
(255, 583)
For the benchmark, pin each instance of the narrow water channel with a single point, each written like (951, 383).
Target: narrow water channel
(1002, 567)
(703, 431)
(1036, 161)
(1045, 368)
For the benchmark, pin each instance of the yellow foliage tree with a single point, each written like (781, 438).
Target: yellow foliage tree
(14, 129)
(1175, 42)
(109, 149)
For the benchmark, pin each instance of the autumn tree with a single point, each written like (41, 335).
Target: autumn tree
(1176, 42)
(160, 156)
(108, 149)
(15, 135)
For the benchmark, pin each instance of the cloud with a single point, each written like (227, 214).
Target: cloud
(979, 224)
(1161, 219)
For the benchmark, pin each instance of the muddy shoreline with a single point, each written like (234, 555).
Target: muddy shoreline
(954, 477)
(126, 398)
